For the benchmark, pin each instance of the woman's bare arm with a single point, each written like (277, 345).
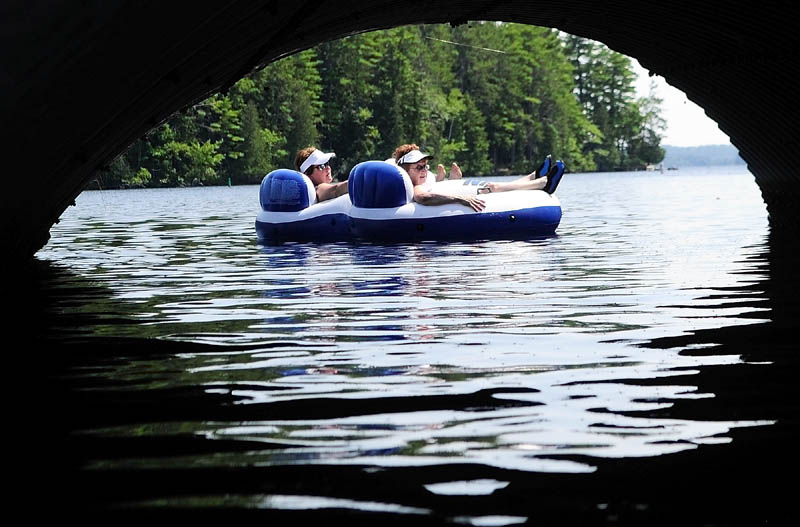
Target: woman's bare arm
(424, 197)
(326, 191)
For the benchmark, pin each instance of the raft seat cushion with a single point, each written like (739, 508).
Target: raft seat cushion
(378, 184)
(286, 190)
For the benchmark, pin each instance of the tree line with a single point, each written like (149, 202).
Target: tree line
(494, 97)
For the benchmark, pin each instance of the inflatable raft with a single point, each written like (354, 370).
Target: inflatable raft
(379, 207)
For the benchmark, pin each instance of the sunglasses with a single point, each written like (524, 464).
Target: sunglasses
(420, 168)
(323, 166)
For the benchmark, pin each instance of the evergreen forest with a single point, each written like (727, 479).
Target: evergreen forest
(494, 97)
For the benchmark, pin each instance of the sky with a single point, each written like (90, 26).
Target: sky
(687, 124)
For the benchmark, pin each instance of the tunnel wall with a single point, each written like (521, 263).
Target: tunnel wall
(81, 82)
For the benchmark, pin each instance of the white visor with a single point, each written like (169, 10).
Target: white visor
(317, 157)
(412, 157)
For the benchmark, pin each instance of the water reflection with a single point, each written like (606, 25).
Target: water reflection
(217, 365)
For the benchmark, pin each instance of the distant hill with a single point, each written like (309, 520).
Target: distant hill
(708, 155)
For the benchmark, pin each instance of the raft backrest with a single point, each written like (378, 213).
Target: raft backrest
(285, 190)
(378, 184)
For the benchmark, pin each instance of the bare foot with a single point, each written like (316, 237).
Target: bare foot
(440, 174)
(455, 172)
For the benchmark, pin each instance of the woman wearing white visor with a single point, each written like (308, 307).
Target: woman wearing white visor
(316, 165)
(415, 163)
(546, 177)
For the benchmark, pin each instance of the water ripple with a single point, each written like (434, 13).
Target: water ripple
(521, 355)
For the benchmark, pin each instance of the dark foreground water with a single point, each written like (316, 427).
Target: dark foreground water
(637, 368)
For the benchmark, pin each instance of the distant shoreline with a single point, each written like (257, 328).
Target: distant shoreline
(676, 157)
(705, 155)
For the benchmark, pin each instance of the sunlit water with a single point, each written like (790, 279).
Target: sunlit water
(508, 354)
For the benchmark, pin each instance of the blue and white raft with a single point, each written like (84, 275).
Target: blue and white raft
(379, 207)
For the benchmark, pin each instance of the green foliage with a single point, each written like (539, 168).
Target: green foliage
(140, 179)
(188, 163)
(494, 97)
(629, 129)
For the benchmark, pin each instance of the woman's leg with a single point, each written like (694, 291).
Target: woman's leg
(523, 183)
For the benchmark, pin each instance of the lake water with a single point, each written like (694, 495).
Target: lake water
(419, 382)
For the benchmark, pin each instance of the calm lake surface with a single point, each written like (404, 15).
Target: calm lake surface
(412, 382)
